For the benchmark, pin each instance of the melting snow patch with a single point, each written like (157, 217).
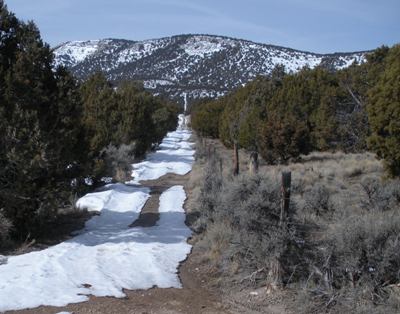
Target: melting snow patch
(175, 155)
(102, 261)
(108, 256)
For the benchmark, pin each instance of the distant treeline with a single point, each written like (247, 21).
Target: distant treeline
(56, 133)
(285, 115)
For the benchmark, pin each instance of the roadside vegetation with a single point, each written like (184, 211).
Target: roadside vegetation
(337, 133)
(284, 115)
(338, 252)
(58, 134)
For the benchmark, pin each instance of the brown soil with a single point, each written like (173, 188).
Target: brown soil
(149, 214)
(195, 296)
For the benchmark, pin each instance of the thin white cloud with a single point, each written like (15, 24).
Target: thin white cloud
(215, 17)
(281, 22)
(38, 7)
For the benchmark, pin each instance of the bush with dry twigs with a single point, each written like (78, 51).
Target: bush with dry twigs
(339, 250)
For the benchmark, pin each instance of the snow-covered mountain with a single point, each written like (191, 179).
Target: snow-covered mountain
(189, 66)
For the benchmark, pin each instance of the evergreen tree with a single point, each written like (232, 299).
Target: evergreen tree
(283, 137)
(53, 130)
(136, 108)
(384, 111)
(100, 107)
(206, 116)
(39, 125)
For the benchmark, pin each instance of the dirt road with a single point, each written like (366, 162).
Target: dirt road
(193, 298)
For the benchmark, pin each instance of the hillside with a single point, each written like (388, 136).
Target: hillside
(192, 66)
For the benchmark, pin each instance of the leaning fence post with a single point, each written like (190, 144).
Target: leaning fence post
(235, 158)
(253, 163)
(285, 195)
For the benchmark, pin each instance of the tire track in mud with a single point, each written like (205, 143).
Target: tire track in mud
(149, 214)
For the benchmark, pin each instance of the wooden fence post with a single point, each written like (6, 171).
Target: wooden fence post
(285, 200)
(253, 164)
(235, 159)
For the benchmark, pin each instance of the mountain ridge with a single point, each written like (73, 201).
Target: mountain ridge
(190, 66)
(213, 35)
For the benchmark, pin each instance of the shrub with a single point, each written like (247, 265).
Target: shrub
(379, 196)
(119, 160)
(318, 200)
(367, 248)
(5, 227)
(249, 206)
(211, 188)
(217, 239)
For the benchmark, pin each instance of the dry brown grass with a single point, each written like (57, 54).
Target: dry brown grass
(193, 185)
(330, 194)
(216, 239)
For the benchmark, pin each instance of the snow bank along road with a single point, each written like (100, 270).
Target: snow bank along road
(108, 256)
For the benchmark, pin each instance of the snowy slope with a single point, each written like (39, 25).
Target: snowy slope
(108, 256)
(195, 65)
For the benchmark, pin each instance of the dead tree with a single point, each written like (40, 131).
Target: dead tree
(253, 163)
(285, 200)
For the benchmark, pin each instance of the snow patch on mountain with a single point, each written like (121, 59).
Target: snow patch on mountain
(152, 84)
(77, 51)
(139, 50)
(201, 46)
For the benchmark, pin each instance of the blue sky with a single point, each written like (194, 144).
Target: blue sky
(314, 25)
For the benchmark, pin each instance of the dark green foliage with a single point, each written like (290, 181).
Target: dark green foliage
(283, 138)
(100, 109)
(54, 132)
(283, 116)
(245, 110)
(205, 118)
(310, 97)
(164, 118)
(355, 82)
(127, 115)
(142, 118)
(39, 122)
(384, 111)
